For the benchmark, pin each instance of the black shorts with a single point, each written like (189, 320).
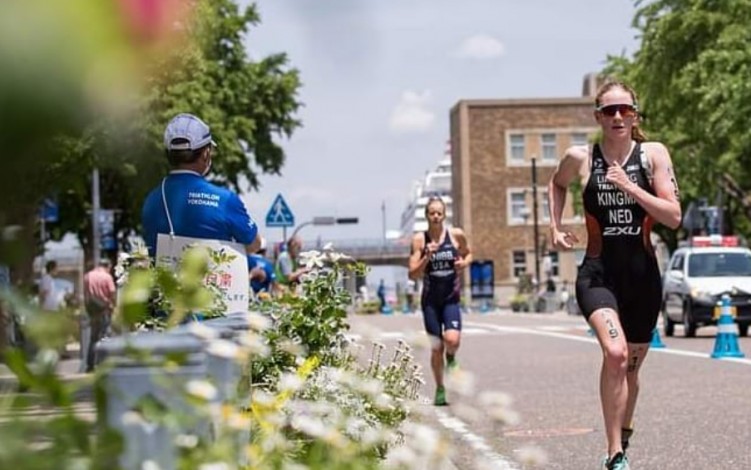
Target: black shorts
(439, 317)
(635, 296)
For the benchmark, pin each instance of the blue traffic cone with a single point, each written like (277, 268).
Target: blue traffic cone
(656, 340)
(387, 310)
(405, 308)
(726, 342)
(484, 308)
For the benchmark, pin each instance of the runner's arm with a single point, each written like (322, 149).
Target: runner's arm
(418, 259)
(465, 253)
(665, 205)
(569, 168)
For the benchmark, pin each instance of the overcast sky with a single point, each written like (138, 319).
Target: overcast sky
(380, 76)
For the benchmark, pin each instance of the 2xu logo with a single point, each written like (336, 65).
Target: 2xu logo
(615, 231)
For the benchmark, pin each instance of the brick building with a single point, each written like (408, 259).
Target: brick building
(493, 145)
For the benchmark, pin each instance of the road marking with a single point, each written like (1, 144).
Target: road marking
(459, 427)
(556, 328)
(676, 352)
(386, 335)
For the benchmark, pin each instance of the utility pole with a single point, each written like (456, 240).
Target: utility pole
(96, 236)
(383, 221)
(535, 221)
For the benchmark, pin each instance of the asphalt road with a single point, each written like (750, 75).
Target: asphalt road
(692, 413)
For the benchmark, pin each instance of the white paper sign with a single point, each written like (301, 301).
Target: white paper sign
(231, 278)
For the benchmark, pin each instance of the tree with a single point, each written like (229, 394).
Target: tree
(247, 105)
(691, 73)
(56, 137)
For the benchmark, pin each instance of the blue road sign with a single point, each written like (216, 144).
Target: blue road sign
(279, 214)
(49, 211)
(107, 229)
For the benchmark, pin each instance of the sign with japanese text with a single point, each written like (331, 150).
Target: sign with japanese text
(230, 277)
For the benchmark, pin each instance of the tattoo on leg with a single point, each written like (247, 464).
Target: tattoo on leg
(633, 361)
(612, 330)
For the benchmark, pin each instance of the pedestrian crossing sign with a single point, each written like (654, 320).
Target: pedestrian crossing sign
(279, 214)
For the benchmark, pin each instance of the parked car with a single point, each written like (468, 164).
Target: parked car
(697, 277)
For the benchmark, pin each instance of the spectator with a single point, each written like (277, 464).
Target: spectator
(382, 294)
(261, 272)
(50, 299)
(99, 299)
(288, 272)
(187, 205)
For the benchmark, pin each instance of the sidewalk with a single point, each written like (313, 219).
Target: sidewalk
(68, 370)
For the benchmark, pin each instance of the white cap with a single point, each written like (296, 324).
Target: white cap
(188, 127)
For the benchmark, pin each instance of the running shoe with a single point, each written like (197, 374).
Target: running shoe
(618, 462)
(440, 397)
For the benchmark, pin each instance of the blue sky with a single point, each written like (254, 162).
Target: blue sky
(380, 76)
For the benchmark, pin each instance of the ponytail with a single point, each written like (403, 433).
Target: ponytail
(637, 134)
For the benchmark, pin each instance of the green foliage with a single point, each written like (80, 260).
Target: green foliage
(313, 322)
(248, 104)
(158, 297)
(691, 73)
(370, 307)
(520, 302)
(323, 408)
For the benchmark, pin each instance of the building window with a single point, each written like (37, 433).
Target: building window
(551, 264)
(544, 207)
(549, 148)
(519, 264)
(579, 138)
(518, 207)
(516, 147)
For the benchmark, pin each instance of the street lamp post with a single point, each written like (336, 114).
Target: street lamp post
(96, 235)
(535, 220)
(325, 220)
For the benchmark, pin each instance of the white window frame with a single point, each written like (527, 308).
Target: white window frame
(514, 149)
(576, 140)
(532, 133)
(542, 205)
(513, 217)
(521, 266)
(548, 147)
(555, 263)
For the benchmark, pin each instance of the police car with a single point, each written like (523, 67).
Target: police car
(696, 278)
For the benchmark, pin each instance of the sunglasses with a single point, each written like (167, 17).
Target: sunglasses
(625, 110)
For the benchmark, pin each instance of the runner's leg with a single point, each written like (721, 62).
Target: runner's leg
(613, 385)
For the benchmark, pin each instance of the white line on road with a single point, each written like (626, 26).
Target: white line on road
(458, 426)
(401, 334)
(676, 352)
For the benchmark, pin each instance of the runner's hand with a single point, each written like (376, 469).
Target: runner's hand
(617, 176)
(563, 239)
(459, 264)
(431, 248)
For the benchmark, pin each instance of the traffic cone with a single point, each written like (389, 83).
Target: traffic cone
(726, 342)
(387, 310)
(656, 340)
(484, 308)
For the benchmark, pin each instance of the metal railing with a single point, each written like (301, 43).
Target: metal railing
(365, 248)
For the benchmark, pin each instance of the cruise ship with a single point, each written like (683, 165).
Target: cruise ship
(436, 183)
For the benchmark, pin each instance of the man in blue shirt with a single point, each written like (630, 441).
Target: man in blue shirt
(187, 205)
(262, 275)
